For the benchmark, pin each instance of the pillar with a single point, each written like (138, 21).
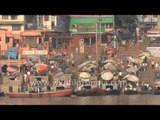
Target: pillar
(50, 43)
(90, 41)
(137, 34)
(19, 56)
(37, 38)
(126, 45)
(158, 22)
(57, 43)
(117, 45)
(42, 38)
(70, 44)
(9, 57)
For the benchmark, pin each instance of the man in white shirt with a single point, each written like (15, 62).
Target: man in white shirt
(120, 75)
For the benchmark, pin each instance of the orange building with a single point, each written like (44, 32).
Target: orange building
(7, 39)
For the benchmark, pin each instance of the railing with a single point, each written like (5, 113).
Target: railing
(150, 20)
(157, 43)
(85, 30)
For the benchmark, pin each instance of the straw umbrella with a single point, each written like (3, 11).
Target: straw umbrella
(84, 75)
(10, 69)
(110, 66)
(131, 78)
(107, 76)
(110, 61)
(132, 69)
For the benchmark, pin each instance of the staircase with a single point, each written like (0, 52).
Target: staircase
(131, 50)
(148, 76)
(79, 58)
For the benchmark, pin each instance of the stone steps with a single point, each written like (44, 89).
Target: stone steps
(148, 76)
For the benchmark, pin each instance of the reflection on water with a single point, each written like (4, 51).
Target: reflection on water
(94, 100)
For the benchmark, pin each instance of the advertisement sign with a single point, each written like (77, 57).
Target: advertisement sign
(36, 52)
(155, 51)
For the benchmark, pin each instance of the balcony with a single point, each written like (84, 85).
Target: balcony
(150, 20)
(93, 30)
(11, 22)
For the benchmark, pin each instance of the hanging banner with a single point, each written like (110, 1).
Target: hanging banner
(81, 46)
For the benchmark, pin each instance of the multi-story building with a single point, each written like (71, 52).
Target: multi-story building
(87, 26)
(13, 23)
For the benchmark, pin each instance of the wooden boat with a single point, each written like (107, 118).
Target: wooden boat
(90, 92)
(61, 93)
(156, 87)
(157, 91)
(82, 93)
(130, 92)
(113, 92)
(98, 91)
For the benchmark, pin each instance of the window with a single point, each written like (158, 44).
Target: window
(75, 26)
(4, 17)
(53, 25)
(10, 89)
(16, 27)
(46, 18)
(109, 25)
(46, 39)
(86, 41)
(7, 39)
(13, 17)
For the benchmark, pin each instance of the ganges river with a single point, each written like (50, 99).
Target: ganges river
(89, 100)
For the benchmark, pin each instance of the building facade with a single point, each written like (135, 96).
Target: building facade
(31, 22)
(148, 20)
(15, 23)
(85, 28)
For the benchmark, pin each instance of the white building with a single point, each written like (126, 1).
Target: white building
(47, 22)
(13, 23)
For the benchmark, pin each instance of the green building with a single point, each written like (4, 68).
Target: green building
(87, 23)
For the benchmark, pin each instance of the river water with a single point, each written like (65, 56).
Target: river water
(89, 100)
